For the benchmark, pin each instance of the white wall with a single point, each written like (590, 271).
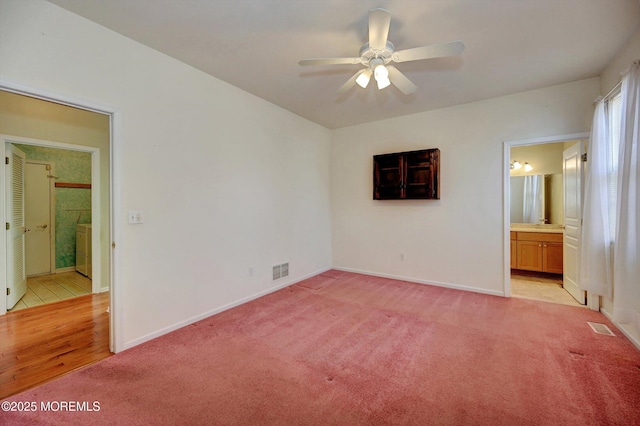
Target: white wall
(458, 240)
(622, 60)
(546, 159)
(226, 180)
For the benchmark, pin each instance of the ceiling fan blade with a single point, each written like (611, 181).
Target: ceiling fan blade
(379, 20)
(350, 83)
(427, 52)
(401, 81)
(329, 61)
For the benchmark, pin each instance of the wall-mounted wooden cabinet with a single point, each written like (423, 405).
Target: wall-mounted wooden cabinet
(407, 175)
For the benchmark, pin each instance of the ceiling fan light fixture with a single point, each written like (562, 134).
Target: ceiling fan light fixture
(363, 78)
(382, 83)
(378, 52)
(381, 74)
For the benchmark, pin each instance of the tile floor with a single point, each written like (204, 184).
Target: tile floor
(545, 288)
(43, 289)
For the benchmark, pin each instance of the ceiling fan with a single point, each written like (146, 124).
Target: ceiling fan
(377, 54)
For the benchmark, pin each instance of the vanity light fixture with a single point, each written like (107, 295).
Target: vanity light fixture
(516, 165)
(527, 167)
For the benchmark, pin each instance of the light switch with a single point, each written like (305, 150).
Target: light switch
(135, 217)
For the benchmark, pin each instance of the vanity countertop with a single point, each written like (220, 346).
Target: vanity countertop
(531, 227)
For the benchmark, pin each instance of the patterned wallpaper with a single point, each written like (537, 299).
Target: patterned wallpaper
(72, 205)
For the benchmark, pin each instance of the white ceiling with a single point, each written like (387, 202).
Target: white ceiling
(511, 46)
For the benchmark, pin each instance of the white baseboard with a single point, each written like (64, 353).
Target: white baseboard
(196, 318)
(422, 281)
(624, 329)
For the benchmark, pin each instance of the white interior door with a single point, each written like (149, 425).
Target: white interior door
(572, 175)
(38, 218)
(14, 181)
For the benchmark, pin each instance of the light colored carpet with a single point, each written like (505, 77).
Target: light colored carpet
(349, 349)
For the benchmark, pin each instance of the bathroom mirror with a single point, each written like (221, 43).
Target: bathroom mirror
(537, 199)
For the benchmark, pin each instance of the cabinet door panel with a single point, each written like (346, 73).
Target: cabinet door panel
(420, 174)
(387, 177)
(529, 255)
(552, 258)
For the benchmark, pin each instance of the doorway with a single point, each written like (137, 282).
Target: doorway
(541, 260)
(39, 218)
(76, 202)
(57, 204)
(42, 120)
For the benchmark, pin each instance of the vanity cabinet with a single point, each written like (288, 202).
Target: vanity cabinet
(538, 251)
(514, 249)
(83, 249)
(407, 175)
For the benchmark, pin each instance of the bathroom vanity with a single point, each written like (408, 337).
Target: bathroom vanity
(537, 248)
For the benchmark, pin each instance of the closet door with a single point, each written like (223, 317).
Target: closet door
(14, 181)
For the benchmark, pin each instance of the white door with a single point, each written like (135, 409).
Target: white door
(38, 218)
(14, 181)
(572, 174)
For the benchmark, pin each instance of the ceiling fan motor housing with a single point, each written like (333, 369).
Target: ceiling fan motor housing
(367, 54)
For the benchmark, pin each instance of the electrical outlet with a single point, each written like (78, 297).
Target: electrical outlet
(251, 271)
(402, 256)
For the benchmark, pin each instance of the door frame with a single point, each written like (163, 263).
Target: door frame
(96, 283)
(116, 320)
(592, 302)
(52, 213)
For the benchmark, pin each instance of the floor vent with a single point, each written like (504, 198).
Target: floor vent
(600, 328)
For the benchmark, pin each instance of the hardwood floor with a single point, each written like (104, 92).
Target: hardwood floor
(44, 342)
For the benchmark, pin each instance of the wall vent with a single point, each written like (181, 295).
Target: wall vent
(276, 272)
(280, 271)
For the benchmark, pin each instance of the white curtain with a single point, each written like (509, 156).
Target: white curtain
(532, 203)
(595, 250)
(626, 270)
